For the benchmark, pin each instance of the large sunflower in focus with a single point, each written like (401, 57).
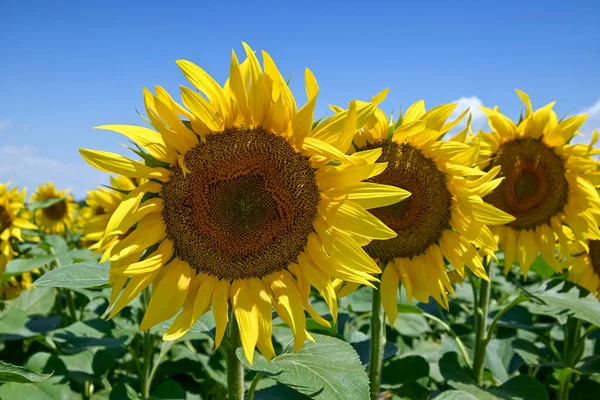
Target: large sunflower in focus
(548, 183)
(59, 216)
(445, 216)
(11, 203)
(242, 206)
(101, 203)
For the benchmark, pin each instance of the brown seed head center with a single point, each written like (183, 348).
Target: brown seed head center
(595, 255)
(419, 220)
(535, 188)
(56, 211)
(5, 220)
(246, 208)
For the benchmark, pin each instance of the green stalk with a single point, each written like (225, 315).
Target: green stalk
(252, 389)
(377, 344)
(481, 314)
(235, 369)
(68, 294)
(148, 353)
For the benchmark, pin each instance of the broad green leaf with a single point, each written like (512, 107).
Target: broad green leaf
(520, 387)
(562, 301)
(36, 301)
(541, 267)
(455, 395)
(327, 369)
(278, 392)
(58, 244)
(12, 321)
(13, 373)
(21, 265)
(532, 354)
(80, 275)
(585, 389)
(403, 370)
(168, 390)
(53, 388)
(590, 365)
(412, 324)
(123, 391)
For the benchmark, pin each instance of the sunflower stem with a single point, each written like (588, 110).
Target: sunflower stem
(481, 315)
(253, 386)
(235, 369)
(377, 343)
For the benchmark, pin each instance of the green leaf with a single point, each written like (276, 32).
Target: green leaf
(21, 265)
(58, 244)
(52, 388)
(455, 395)
(123, 391)
(590, 365)
(36, 301)
(80, 275)
(327, 369)
(13, 373)
(12, 321)
(168, 390)
(45, 203)
(564, 301)
(520, 387)
(532, 354)
(541, 267)
(403, 370)
(585, 389)
(412, 324)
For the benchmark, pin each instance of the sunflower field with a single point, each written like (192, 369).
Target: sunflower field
(246, 249)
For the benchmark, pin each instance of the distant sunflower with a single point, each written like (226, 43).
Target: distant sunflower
(445, 216)
(11, 203)
(547, 183)
(101, 203)
(584, 266)
(16, 284)
(58, 217)
(241, 205)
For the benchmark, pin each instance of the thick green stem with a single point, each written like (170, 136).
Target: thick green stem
(481, 314)
(252, 389)
(146, 365)
(68, 294)
(377, 344)
(235, 369)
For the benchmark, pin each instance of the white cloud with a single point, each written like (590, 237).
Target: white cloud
(473, 103)
(4, 123)
(593, 111)
(592, 122)
(25, 167)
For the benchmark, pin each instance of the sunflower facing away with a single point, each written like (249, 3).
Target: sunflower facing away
(101, 203)
(548, 184)
(242, 207)
(444, 218)
(58, 217)
(11, 203)
(584, 265)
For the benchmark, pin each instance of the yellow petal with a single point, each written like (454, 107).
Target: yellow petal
(220, 309)
(264, 309)
(349, 217)
(369, 195)
(118, 164)
(169, 294)
(149, 139)
(389, 292)
(246, 314)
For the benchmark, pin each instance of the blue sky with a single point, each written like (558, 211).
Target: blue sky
(68, 66)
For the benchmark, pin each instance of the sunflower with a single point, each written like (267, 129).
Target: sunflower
(247, 204)
(548, 183)
(101, 203)
(16, 284)
(57, 217)
(11, 203)
(445, 216)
